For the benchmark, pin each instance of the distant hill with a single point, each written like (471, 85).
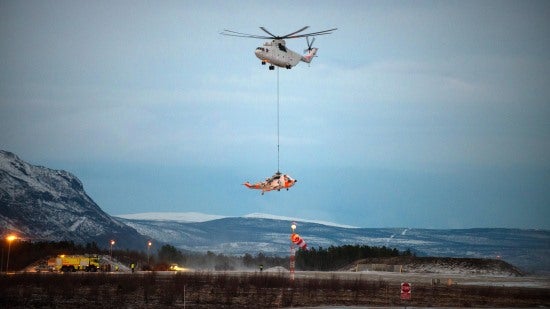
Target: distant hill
(38, 203)
(527, 249)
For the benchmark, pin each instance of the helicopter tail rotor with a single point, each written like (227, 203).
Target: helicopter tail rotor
(310, 51)
(309, 44)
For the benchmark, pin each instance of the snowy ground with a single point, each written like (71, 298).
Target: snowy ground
(426, 278)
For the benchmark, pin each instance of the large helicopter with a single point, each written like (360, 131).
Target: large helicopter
(276, 182)
(275, 51)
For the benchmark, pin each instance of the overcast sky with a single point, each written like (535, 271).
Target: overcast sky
(420, 114)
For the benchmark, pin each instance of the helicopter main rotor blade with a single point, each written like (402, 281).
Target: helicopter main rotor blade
(272, 35)
(292, 35)
(243, 35)
(311, 34)
(295, 32)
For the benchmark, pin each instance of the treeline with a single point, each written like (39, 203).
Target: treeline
(169, 255)
(334, 258)
(25, 253)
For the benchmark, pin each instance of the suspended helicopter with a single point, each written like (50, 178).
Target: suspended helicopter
(275, 51)
(276, 182)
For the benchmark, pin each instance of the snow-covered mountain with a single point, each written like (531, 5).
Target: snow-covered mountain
(527, 249)
(39, 203)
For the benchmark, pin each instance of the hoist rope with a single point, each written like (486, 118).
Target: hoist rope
(277, 119)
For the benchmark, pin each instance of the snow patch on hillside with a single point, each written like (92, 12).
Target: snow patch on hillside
(283, 218)
(172, 216)
(77, 224)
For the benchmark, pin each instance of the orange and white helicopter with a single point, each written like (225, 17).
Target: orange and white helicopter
(275, 52)
(276, 182)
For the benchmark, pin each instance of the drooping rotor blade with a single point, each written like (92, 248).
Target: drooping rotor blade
(312, 34)
(243, 35)
(235, 32)
(272, 35)
(293, 33)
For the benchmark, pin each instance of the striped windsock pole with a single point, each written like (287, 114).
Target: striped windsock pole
(292, 261)
(292, 251)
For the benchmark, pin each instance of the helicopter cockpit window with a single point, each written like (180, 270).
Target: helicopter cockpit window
(260, 48)
(282, 47)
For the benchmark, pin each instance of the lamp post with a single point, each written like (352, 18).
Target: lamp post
(149, 244)
(292, 252)
(111, 250)
(10, 238)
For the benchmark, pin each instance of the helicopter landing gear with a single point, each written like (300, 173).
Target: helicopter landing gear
(272, 67)
(288, 67)
(263, 62)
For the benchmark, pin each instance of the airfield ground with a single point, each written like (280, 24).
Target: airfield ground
(269, 289)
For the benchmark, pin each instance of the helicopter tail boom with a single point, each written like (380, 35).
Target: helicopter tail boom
(310, 54)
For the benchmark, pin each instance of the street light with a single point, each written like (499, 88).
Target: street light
(149, 243)
(292, 252)
(10, 238)
(111, 251)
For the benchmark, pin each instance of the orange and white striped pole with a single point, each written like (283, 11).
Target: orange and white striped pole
(292, 252)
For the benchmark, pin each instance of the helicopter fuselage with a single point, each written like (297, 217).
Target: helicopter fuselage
(276, 53)
(276, 182)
